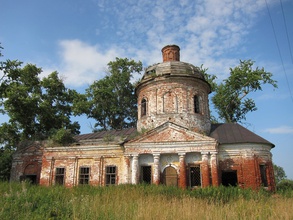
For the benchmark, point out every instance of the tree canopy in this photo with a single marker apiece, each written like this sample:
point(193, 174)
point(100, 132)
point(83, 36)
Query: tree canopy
point(35, 107)
point(231, 99)
point(279, 173)
point(111, 101)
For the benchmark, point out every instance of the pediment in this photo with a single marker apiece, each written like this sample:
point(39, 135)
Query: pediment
point(170, 132)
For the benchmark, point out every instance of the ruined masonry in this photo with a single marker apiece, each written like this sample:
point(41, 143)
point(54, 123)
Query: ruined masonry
point(174, 142)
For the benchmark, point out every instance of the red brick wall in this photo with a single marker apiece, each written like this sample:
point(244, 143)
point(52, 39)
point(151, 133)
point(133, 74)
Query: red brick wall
point(248, 172)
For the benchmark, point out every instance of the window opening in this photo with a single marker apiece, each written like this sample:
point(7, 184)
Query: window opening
point(194, 176)
point(263, 175)
point(146, 174)
point(84, 175)
point(143, 107)
point(111, 175)
point(229, 178)
point(59, 176)
point(196, 104)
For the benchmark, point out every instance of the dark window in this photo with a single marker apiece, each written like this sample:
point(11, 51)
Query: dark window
point(196, 104)
point(263, 175)
point(194, 176)
point(146, 174)
point(229, 178)
point(84, 175)
point(143, 107)
point(110, 175)
point(59, 176)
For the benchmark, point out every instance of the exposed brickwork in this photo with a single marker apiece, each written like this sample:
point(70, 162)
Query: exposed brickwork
point(27, 161)
point(214, 170)
point(248, 172)
point(205, 171)
point(173, 100)
point(182, 171)
point(171, 53)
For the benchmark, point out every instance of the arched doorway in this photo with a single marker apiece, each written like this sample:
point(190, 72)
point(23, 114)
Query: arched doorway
point(170, 177)
point(30, 173)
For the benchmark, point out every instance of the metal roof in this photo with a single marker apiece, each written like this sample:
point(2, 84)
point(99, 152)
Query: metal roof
point(228, 133)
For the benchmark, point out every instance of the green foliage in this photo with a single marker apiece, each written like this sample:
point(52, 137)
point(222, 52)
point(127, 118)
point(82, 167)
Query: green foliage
point(230, 99)
point(56, 105)
point(35, 107)
point(5, 163)
point(62, 137)
point(279, 173)
point(19, 95)
point(285, 185)
point(210, 78)
point(24, 201)
point(111, 101)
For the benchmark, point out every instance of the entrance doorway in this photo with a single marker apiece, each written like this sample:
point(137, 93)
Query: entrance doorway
point(146, 174)
point(30, 174)
point(229, 178)
point(170, 177)
point(194, 176)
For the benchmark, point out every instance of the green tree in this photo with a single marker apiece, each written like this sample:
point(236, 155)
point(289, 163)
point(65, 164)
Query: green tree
point(55, 107)
point(111, 101)
point(35, 107)
point(19, 96)
point(279, 173)
point(230, 99)
point(285, 185)
point(9, 139)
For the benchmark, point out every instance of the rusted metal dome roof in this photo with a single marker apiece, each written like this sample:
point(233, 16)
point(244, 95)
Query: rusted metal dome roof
point(173, 68)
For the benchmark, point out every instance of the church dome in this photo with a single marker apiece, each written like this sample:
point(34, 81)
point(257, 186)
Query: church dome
point(173, 91)
point(174, 68)
point(171, 65)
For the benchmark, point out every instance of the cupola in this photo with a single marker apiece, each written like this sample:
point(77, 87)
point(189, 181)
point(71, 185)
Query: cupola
point(173, 91)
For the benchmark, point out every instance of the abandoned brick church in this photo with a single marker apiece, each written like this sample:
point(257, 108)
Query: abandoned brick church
point(174, 142)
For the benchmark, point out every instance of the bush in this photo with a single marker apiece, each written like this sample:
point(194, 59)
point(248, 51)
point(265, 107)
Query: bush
point(62, 137)
point(5, 164)
point(285, 185)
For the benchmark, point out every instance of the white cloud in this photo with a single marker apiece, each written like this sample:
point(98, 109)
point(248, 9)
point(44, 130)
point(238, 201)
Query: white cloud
point(205, 30)
point(280, 130)
point(83, 63)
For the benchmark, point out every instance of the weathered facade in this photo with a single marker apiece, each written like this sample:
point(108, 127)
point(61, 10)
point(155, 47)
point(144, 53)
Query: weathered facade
point(174, 142)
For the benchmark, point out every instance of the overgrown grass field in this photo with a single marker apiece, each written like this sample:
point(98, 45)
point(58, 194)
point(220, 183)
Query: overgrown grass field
point(24, 201)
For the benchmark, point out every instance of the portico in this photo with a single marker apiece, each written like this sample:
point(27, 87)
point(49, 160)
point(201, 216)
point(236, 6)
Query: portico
point(181, 155)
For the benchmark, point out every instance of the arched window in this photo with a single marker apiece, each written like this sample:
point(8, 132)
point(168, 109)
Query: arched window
point(196, 104)
point(143, 107)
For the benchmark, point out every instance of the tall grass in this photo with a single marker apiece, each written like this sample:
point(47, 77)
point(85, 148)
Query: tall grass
point(24, 201)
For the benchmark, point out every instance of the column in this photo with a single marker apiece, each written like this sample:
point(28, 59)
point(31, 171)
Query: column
point(182, 171)
point(134, 168)
point(156, 176)
point(127, 169)
point(214, 169)
point(205, 169)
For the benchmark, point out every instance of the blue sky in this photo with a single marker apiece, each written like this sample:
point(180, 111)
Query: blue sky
point(78, 38)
